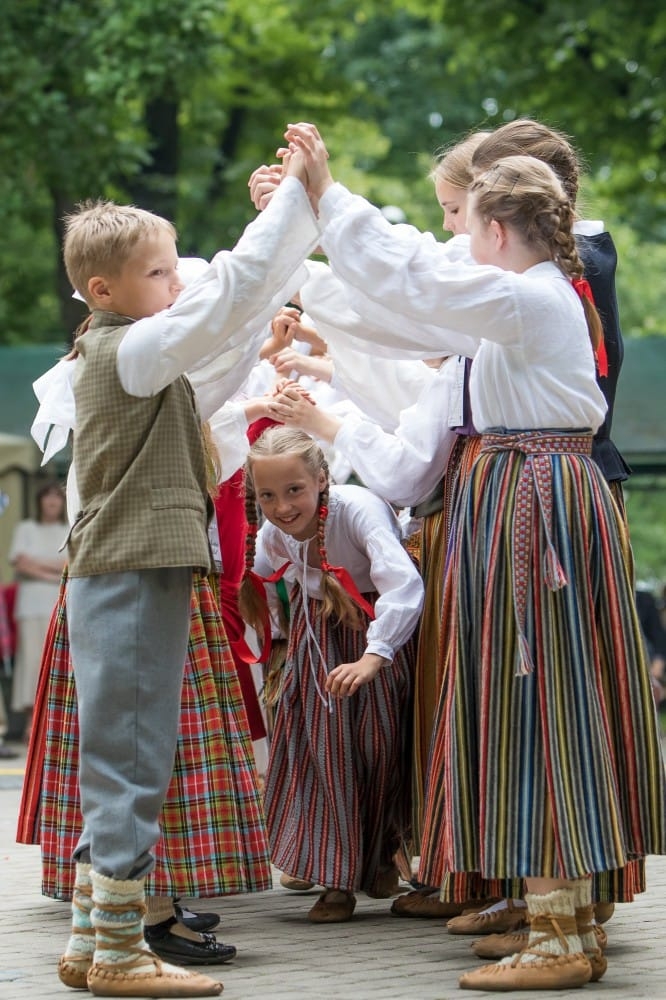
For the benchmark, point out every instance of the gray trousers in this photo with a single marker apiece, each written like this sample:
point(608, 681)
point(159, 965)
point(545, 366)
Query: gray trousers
point(128, 635)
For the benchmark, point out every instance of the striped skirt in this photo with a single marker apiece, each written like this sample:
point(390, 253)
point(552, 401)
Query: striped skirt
point(337, 787)
point(213, 839)
point(546, 760)
point(428, 669)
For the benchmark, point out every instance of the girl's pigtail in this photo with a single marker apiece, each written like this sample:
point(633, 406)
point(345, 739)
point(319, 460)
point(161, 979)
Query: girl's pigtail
point(251, 595)
point(336, 600)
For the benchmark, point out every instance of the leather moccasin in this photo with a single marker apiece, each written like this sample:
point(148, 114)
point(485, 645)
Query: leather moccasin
point(554, 972)
point(426, 903)
point(334, 906)
point(163, 981)
point(295, 884)
point(387, 884)
point(500, 945)
point(490, 920)
point(603, 912)
point(73, 972)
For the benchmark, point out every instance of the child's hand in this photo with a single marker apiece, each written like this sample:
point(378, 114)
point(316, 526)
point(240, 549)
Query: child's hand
point(296, 408)
point(281, 332)
point(345, 680)
point(304, 138)
point(290, 360)
point(263, 183)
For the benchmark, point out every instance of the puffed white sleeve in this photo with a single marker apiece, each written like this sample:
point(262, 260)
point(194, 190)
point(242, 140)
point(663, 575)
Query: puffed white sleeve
point(405, 466)
point(421, 298)
point(228, 428)
point(56, 416)
point(228, 305)
point(394, 576)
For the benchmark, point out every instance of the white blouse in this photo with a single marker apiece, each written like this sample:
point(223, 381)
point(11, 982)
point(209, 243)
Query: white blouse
point(533, 361)
point(363, 535)
point(405, 466)
point(225, 309)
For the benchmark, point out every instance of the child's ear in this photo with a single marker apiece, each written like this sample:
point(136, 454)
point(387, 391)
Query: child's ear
point(499, 232)
point(323, 480)
point(99, 291)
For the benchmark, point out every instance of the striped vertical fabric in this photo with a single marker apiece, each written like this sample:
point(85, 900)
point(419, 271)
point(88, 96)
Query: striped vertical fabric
point(426, 670)
point(213, 834)
point(429, 660)
point(337, 787)
point(556, 773)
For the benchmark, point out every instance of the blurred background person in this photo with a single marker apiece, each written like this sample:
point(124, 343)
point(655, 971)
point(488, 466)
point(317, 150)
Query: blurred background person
point(38, 565)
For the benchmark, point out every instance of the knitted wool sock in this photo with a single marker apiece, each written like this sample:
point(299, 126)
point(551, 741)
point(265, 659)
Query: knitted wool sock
point(117, 917)
point(81, 944)
point(159, 910)
point(582, 889)
point(552, 926)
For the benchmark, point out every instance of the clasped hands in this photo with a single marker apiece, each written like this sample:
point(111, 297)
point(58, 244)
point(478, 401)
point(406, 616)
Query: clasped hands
point(305, 157)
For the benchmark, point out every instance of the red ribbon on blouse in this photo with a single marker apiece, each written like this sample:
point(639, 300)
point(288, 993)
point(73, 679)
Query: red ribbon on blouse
point(342, 575)
point(584, 291)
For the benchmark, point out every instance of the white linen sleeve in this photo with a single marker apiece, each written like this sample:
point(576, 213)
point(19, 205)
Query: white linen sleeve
point(403, 467)
point(410, 286)
point(228, 427)
point(239, 292)
point(56, 415)
point(400, 589)
point(372, 527)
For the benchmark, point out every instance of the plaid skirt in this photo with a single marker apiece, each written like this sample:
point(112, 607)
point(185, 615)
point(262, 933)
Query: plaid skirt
point(546, 759)
point(338, 782)
point(213, 839)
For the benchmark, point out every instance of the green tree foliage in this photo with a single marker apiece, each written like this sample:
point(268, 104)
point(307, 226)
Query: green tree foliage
point(171, 103)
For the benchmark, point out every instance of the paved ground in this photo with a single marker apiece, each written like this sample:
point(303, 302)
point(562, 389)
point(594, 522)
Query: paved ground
point(283, 957)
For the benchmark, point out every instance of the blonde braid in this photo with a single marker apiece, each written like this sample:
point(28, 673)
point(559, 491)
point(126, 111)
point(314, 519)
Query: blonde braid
point(525, 193)
point(252, 606)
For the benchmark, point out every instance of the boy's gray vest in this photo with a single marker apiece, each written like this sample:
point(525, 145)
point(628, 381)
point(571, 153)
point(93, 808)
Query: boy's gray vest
point(140, 467)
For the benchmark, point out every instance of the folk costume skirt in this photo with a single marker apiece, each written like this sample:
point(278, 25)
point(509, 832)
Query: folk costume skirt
point(213, 839)
point(338, 779)
point(428, 671)
point(545, 759)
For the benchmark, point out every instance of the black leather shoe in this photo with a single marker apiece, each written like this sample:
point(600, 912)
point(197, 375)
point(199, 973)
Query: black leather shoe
point(196, 921)
point(182, 951)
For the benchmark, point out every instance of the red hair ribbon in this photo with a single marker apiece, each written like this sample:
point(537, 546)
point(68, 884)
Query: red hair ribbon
point(258, 584)
point(584, 291)
point(344, 578)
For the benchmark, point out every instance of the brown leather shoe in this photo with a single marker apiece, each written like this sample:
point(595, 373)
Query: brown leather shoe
point(603, 912)
point(386, 884)
point(598, 964)
point(334, 906)
point(426, 903)
point(164, 981)
point(490, 921)
point(552, 972)
point(295, 884)
point(500, 945)
point(73, 972)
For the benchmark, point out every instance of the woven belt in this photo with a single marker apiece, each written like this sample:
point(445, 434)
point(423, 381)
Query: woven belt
point(534, 486)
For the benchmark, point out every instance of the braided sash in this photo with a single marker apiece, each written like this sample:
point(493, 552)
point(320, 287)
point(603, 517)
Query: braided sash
point(534, 498)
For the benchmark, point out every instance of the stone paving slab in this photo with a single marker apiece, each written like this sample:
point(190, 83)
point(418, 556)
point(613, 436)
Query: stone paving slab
point(281, 956)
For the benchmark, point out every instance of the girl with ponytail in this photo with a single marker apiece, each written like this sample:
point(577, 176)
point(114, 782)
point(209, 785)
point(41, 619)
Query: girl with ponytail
point(337, 787)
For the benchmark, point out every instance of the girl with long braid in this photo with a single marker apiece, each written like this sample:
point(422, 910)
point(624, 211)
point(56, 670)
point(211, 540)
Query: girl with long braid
point(337, 786)
point(545, 762)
